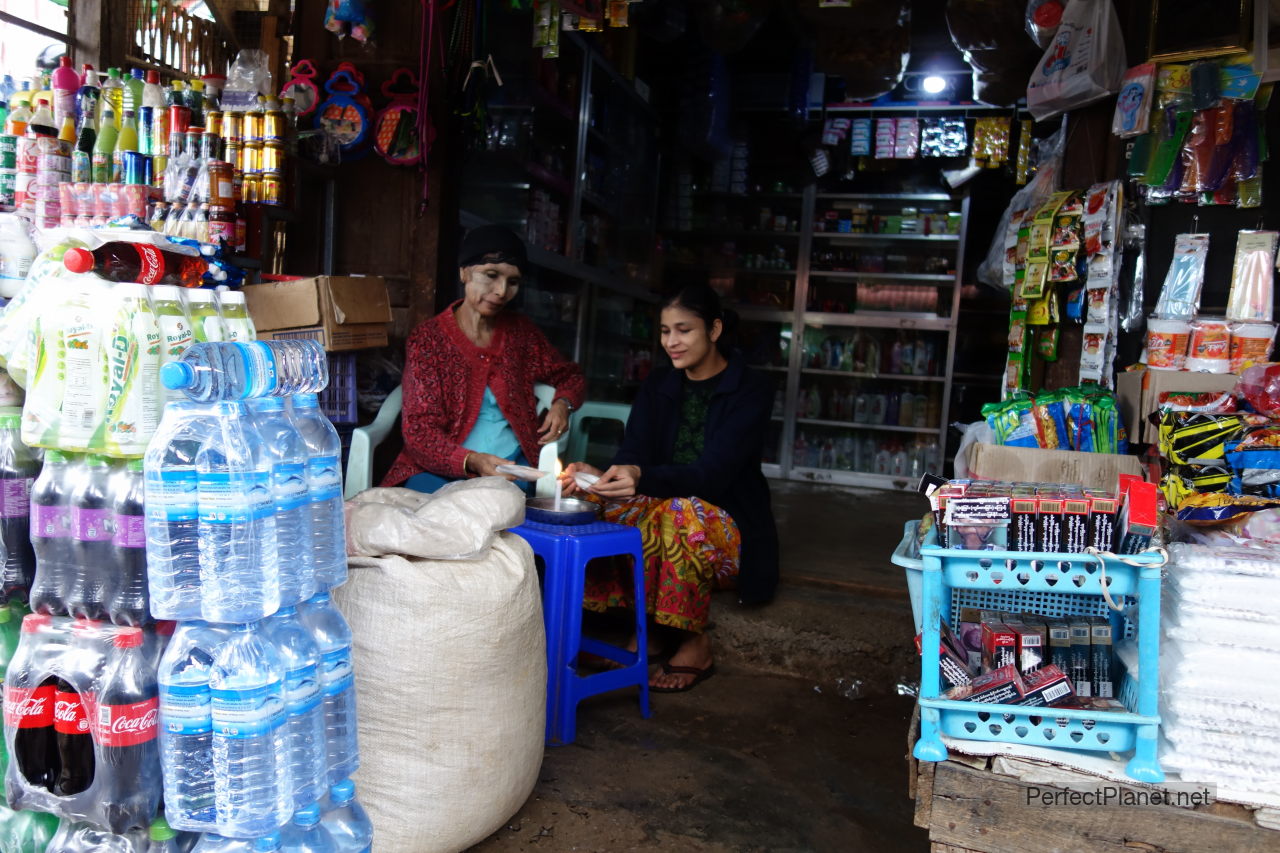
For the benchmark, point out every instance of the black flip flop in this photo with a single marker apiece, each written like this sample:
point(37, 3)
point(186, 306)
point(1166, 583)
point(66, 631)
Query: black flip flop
point(700, 675)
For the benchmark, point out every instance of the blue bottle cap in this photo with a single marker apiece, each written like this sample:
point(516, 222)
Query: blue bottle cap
point(343, 792)
point(307, 815)
point(267, 843)
point(306, 401)
point(176, 375)
point(268, 404)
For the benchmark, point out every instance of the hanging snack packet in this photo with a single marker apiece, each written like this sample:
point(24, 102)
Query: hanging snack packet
point(886, 135)
point(1051, 420)
point(1253, 276)
point(1133, 107)
point(1180, 296)
point(1012, 422)
point(907, 139)
point(860, 137)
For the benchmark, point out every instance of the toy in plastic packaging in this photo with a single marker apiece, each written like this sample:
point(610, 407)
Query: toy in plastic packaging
point(1043, 19)
point(1083, 63)
point(396, 126)
point(1251, 343)
point(349, 17)
point(1133, 106)
point(1167, 342)
point(1253, 277)
point(249, 77)
point(344, 116)
point(80, 723)
point(943, 137)
point(1180, 296)
point(1209, 348)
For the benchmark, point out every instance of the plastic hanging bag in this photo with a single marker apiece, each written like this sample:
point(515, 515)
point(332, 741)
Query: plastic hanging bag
point(1043, 19)
point(1253, 277)
point(1133, 107)
point(1180, 296)
point(1084, 63)
point(249, 77)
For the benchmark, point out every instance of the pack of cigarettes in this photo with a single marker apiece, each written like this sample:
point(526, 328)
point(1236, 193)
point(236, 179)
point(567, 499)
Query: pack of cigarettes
point(999, 646)
point(939, 500)
point(1049, 521)
point(1045, 686)
point(1022, 519)
point(1102, 519)
point(1101, 658)
point(1031, 647)
point(1060, 644)
point(1081, 650)
point(977, 523)
point(1000, 686)
point(971, 636)
point(1138, 518)
point(1075, 523)
point(952, 669)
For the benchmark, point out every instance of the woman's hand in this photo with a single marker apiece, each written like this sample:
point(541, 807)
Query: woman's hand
point(620, 481)
point(556, 422)
point(568, 485)
point(486, 465)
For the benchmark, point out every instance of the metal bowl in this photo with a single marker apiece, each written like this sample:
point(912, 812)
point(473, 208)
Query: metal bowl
point(572, 511)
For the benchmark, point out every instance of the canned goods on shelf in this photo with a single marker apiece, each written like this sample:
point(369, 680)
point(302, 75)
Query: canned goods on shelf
point(272, 191)
point(210, 146)
point(251, 188)
point(235, 155)
point(253, 121)
point(135, 167)
point(179, 119)
point(272, 160)
point(273, 126)
point(213, 122)
point(252, 163)
point(233, 127)
point(8, 151)
point(147, 130)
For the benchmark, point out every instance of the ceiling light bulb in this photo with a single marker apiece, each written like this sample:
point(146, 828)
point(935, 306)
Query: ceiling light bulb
point(933, 84)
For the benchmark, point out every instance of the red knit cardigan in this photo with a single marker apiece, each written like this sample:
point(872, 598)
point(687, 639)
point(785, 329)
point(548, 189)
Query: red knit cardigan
point(445, 376)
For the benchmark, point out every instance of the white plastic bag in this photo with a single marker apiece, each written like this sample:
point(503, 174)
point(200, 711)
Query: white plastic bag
point(451, 671)
point(978, 432)
point(1084, 63)
point(249, 77)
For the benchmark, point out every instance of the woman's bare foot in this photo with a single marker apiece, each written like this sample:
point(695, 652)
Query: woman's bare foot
point(695, 653)
point(651, 643)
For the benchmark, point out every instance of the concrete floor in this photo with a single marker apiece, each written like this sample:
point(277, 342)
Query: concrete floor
point(798, 743)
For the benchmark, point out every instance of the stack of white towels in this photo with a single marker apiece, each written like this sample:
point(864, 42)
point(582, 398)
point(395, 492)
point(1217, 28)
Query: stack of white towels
point(1220, 668)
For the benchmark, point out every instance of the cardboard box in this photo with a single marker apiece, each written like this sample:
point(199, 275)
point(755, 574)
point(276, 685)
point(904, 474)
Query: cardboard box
point(1031, 465)
point(1138, 395)
point(339, 312)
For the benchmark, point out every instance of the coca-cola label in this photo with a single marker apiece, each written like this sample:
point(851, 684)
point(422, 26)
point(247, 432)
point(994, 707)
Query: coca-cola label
point(150, 263)
point(186, 709)
point(127, 725)
point(247, 713)
point(50, 522)
point(302, 689)
point(15, 498)
point(234, 497)
point(69, 717)
point(324, 478)
point(91, 525)
point(130, 531)
point(28, 707)
point(336, 674)
point(171, 494)
point(289, 480)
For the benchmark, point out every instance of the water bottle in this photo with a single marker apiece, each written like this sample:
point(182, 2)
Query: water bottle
point(162, 838)
point(306, 724)
point(305, 834)
point(337, 684)
point(186, 726)
point(18, 472)
point(172, 507)
point(51, 534)
point(239, 579)
point(252, 789)
point(345, 818)
point(91, 535)
point(211, 842)
point(127, 583)
point(324, 484)
point(288, 455)
point(206, 372)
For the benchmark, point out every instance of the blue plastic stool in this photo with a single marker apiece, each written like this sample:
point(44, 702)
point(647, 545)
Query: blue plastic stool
point(566, 550)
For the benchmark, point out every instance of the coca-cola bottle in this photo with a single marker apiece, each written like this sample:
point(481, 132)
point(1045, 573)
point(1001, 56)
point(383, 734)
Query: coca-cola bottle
point(139, 262)
point(126, 597)
point(51, 534)
point(125, 722)
point(28, 708)
point(18, 470)
point(72, 710)
point(91, 534)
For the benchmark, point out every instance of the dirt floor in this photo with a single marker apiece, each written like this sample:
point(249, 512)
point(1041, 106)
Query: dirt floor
point(798, 743)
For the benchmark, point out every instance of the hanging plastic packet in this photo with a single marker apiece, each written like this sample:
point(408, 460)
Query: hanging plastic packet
point(1133, 106)
point(1174, 122)
point(1253, 276)
point(1249, 191)
point(1012, 422)
point(1093, 352)
point(906, 144)
point(1180, 295)
point(1050, 415)
point(1206, 85)
point(1047, 343)
point(1209, 350)
point(1080, 420)
point(886, 136)
point(1136, 243)
point(1106, 424)
point(1197, 152)
point(1217, 172)
point(943, 137)
point(860, 137)
point(1245, 166)
point(1023, 168)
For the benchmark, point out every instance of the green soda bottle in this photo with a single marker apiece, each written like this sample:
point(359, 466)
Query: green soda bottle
point(104, 147)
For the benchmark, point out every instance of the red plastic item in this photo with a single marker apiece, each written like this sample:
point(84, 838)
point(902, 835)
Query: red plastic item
point(140, 262)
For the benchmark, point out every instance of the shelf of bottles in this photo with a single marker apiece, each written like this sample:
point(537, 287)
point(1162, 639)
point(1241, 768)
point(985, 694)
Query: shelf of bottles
point(620, 345)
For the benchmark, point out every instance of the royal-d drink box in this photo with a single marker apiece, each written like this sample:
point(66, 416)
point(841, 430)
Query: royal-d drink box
point(1100, 643)
point(1081, 651)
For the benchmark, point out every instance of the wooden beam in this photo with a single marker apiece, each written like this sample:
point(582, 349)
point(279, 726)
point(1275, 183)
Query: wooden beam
point(982, 811)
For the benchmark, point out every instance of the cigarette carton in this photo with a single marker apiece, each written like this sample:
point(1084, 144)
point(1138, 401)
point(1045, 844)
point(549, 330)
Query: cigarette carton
point(1138, 518)
point(1031, 648)
point(1002, 686)
point(1047, 685)
point(1081, 648)
point(1102, 519)
point(952, 670)
point(1022, 520)
point(1075, 523)
point(999, 646)
point(1049, 522)
point(1100, 658)
point(1060, 644)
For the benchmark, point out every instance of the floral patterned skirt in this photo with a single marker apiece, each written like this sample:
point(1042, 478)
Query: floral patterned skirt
point(690, 547)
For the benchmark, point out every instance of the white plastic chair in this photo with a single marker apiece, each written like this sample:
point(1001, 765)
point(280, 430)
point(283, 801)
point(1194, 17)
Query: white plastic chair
point(365, 439)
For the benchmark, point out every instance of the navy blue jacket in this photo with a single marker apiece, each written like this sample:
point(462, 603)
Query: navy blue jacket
point(727, 473)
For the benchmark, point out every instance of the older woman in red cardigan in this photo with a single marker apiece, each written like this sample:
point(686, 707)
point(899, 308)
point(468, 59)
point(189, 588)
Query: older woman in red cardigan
point(470, 371)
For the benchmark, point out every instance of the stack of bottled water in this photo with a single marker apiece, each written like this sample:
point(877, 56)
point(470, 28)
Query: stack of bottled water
point(245, 538)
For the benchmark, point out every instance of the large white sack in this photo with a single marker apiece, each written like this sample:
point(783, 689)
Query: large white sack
point(451, 676)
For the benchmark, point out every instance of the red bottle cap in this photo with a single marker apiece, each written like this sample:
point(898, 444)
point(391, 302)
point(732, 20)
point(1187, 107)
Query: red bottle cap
point(1048, 15)
point(153, 76)
point(33, 622)
point(128, 638)
point(78, 260)
point(64, 61)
